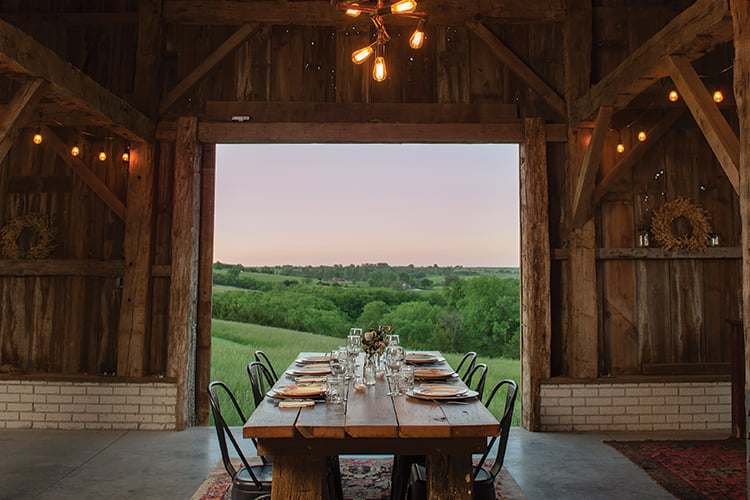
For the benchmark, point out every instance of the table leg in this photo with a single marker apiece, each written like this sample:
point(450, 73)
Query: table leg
point(449, 476)
point(298, 478)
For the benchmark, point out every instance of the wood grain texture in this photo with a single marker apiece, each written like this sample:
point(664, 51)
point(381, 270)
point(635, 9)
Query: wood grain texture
point(581, 204)
point(149, 54)
point(18, 112)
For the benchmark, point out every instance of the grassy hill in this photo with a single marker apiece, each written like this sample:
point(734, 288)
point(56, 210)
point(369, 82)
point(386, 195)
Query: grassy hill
point(234, 345)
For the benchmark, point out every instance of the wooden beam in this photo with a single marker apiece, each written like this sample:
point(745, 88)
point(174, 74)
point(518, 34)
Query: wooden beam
point(207, 65)
point(135, 303)
point(19, 53)
point(694, 32)
point(712, 123)
point(328, 112)
point(536, 322)
point(581, 204)
point(315, 13)
point(518, 67)
point(149, 56)
point(85, 173)
point(205, 284)
point(635, 154)
point(183, 288)
point(63, 267)
point(18, 112)
point(68, 18)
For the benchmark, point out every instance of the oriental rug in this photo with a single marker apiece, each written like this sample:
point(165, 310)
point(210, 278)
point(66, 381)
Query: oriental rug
point(362, 478)
point(692, 469)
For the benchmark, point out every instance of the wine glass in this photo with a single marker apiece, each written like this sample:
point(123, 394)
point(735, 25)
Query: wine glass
point(353, 347)
point(394, 358)
point(393, 339)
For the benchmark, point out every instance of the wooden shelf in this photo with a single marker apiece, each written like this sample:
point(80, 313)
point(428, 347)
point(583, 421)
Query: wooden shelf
point(727, 253)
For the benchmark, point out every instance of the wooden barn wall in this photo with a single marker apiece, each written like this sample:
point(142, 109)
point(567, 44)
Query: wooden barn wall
point(657, 312)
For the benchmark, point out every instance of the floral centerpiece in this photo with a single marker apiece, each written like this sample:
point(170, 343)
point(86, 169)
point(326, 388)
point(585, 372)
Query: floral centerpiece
point(373, 343)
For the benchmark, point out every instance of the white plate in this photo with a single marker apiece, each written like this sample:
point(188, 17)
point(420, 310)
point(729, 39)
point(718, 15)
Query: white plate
point(300, 390)
point(461, 397)
point(440, 390)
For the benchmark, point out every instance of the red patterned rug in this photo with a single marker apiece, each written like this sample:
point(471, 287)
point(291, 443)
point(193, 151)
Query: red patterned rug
point(361, 478)
point(692, 469)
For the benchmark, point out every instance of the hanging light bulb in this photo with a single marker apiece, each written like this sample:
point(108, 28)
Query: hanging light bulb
point(403, 7)
point(642, 136)
point(417, 38)
point(620, 147)
point(378, 70)
point(674, 96)
point(126, 155)
point(102, 155)
point(718, 96)
point(361, 55)
point(351, 11)
point(37, 139)
point(75, 150)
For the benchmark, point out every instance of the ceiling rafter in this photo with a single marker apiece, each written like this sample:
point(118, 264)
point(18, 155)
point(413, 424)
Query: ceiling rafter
point(694, 32)
point(21, 54)
point(18, 112)
point(581, 208)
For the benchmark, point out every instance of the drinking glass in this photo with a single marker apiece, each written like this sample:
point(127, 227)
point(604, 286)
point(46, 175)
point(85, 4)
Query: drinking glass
point(406, 378)
point(393, 339)
point(336, 363)
point(394, 359)
point(334, 389)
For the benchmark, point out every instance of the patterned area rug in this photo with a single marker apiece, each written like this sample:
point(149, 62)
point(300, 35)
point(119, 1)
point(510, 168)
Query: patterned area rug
point(691, 469)
point(362, 479)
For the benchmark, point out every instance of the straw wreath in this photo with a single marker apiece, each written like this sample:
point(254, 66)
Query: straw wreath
point(661, 226)
point(42, 226)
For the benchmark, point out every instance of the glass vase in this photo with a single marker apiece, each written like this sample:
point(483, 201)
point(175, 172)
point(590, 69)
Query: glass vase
point(371, 365)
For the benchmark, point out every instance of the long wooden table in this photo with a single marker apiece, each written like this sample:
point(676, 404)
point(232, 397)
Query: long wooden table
point(370, 422)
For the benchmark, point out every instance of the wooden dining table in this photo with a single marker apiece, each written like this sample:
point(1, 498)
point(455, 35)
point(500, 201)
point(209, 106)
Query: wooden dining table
point(370, 422)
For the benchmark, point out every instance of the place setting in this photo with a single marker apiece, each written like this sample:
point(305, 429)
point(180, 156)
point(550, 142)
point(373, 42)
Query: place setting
point(422, 358)
point(441, 392)
point(434, 373)
point(310, 369)
point(298, 395)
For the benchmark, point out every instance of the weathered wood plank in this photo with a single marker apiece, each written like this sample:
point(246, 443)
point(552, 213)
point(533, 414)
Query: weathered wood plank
point(582, 203)
point(183, 290)
point(535, 268)
point(717, 131)
point(148, 68)
point(62, 267)
point(205, 66)
point(19, 53)
point(90, 178)
point(18, 111)
point(518, 66)
point(135, 307)
point(228, 12)
point(696, 31)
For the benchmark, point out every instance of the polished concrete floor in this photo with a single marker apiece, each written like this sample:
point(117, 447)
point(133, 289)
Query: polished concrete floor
point(171, 465)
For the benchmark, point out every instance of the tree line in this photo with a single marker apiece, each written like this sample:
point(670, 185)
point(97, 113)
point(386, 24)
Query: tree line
point(481, 313)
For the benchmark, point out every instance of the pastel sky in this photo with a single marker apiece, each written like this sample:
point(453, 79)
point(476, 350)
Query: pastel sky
point(320, 204)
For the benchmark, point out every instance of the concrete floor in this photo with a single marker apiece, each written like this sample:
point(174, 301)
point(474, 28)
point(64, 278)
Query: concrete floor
point(171, 465)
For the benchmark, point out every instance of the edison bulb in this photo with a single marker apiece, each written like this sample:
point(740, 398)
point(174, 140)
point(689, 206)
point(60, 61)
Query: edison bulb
point(642, 136)
point(718, 96)
point(673, 96)
point(75, 151)
point(102, 156)
point(620, 147)
point(378, 71)
point(37, 138)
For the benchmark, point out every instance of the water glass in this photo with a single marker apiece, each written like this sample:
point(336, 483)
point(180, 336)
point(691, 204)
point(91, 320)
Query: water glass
point(406, 378)
point(337, 363)
point(393, 339)
point(334, 389)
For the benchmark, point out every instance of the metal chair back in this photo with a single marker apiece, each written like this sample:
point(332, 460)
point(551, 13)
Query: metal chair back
point(261, 356)
point(261, 380)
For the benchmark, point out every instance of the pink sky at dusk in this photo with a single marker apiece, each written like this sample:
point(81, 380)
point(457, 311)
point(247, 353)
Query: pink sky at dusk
point(320, 204)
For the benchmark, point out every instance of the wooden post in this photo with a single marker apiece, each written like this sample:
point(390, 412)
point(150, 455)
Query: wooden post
point(205, 284)
point(183, 289)
point(580, 335)
point(135, 308)
point(536, 322)
point(741, 22)
point(147, 80)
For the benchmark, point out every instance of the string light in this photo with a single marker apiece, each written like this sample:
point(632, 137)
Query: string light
point(642, 136)
point(674, 96)
point(620, 146)
point(75, 150)
point(718, 96)
point(38, 138)
point(102, 155)
point(126, 155)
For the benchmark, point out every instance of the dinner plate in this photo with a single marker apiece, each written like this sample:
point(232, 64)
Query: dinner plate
point(433, 373)
point(469, 394)
point(314, 358)
point(439, 390)
point(420, 357)
point(300, 390)
point(314, 369)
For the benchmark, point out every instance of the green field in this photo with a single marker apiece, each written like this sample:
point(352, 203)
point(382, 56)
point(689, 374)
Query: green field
point(234, 346)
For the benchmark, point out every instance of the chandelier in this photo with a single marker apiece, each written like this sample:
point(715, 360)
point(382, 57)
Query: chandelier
point(377, 10)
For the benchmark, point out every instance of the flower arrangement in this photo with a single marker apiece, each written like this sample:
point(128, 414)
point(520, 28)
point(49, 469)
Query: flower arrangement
point(374, 341)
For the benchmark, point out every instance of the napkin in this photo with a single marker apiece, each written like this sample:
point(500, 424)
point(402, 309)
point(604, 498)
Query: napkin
point(310, 380)
point(296, 404)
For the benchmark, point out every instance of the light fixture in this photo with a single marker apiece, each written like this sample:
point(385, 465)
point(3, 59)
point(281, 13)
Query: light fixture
point(642, 136)
point(674, 96)
point(102, 155)
point(37, 139)
point(718, 96)
point(620, 146)
point(126, 155)
point(75, 150)
point(377, 10)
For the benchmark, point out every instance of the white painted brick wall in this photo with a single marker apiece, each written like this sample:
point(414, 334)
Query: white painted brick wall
point(647, 406)
point(32, 404)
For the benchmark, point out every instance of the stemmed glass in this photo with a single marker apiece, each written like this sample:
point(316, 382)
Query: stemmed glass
point(394, 358)
point(393, 339)
point(353, 346)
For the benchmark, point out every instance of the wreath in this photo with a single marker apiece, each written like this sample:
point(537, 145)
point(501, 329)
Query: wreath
point(42, 226)
point(661, 226)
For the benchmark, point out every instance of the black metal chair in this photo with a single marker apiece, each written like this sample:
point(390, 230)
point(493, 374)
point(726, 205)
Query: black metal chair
point(469, 359)
point(261, 380)
point(479, 371)
point(261, 356)
point(248, 481)
point(484, 478)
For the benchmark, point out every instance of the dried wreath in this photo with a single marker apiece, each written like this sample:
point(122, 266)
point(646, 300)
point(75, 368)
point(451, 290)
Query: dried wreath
point(44, 229)
point(661, 225)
